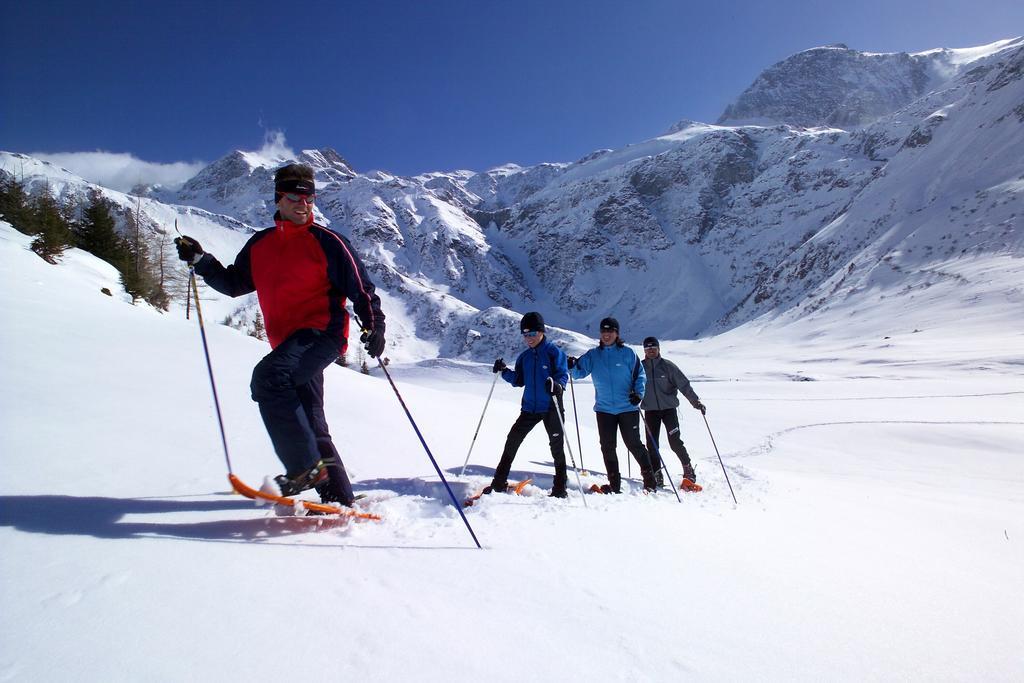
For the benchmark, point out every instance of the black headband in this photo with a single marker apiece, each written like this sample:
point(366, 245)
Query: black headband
point(295, 186)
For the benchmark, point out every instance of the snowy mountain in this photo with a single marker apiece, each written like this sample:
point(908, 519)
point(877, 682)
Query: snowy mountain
point(859, 295)
point(915, 179)
point(836, 87)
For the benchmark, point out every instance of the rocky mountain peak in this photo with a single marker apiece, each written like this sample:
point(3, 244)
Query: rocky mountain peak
point(831, 86)
point(835, 86)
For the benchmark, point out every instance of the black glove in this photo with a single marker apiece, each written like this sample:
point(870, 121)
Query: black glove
point(635, 398)
point(700, 406)
point(571, 361)
point(373, 342)
point(553, 387)
point(499, 365)
point(189, 250)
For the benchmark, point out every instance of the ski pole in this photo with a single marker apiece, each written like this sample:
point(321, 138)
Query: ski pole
point(191, 279)
point(473, 442)
point(430, 455)
point(576, 417)
point(657, 452)
point(188, 301)
point(209, 365)
point(719, 458)
point(579, 482)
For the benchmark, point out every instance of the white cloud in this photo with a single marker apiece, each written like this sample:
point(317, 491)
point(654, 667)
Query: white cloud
point(275, 146)
point(120, 171)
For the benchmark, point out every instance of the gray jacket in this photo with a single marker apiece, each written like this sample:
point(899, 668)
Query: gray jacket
point(664, 379)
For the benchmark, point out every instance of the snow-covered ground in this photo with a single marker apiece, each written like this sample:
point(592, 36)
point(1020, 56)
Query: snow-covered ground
point(879, 533)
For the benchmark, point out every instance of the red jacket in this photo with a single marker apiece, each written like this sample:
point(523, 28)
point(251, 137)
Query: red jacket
point(302, 275)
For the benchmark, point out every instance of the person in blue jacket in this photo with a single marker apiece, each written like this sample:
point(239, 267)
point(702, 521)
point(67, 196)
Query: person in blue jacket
point(619, 383)
point(541, 371)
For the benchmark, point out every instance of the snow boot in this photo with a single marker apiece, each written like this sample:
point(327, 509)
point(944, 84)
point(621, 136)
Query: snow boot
point(292, 484)
point(495, 488)
point(690, 485)
point(649, 483)
point(558, 493)
point(689, 482)
point(659, 479)
point(329, 497)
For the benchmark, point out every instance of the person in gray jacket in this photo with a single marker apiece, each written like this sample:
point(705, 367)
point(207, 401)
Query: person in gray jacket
point(665, 380)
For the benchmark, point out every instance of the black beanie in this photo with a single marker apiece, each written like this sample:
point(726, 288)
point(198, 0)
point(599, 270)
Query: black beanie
point(532, 322)
point(295, 186)
point(294, 179)
point(651, 342)
point(609, 324)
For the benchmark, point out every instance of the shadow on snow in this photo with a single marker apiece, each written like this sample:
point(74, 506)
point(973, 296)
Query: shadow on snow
point(104, 518)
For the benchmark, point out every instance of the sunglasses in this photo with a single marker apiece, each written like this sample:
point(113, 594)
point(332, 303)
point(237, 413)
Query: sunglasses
point(296, 198)
point(531, 334)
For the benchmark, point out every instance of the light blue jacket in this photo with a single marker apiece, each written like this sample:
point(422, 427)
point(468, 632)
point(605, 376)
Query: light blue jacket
point(617, 370)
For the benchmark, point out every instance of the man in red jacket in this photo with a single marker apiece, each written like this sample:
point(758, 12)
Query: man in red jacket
point(302, 274)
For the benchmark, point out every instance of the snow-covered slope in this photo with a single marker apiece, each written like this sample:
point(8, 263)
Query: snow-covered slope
point(878, 533)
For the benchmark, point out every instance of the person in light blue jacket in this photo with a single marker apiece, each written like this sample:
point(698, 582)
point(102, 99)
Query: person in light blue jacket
point(541, 371)
point(619, 383)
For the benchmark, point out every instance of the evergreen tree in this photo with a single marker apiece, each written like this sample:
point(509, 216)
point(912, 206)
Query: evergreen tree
point(259, 330)
point(15, 205)
point(51, 226)
point(97, 233)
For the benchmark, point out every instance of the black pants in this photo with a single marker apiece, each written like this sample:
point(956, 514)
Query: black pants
point(670, 418)
point(628, 424)
point(522, 426)
point(288, 385)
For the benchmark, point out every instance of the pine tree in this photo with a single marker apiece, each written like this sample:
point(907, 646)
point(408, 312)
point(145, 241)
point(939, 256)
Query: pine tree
point(15, 205)
point(97, 233)
point(51, 226)
point(259, 330)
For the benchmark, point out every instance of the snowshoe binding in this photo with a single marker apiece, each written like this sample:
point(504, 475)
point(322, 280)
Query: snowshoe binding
point(291, 485)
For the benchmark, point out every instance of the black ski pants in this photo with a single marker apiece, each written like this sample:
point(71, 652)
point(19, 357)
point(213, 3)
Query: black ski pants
point(520, 428)
point(288, 385)
point(628, 424)
point(668, 417)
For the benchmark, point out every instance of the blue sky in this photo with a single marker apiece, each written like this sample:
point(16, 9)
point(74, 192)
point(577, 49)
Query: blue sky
point(418, 86)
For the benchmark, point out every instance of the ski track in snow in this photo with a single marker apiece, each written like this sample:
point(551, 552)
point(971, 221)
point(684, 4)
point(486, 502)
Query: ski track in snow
point(881, 398)
point(768, 445)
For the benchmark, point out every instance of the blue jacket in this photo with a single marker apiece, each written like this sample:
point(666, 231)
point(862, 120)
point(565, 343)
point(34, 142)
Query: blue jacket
point(617, 370)
point(533, 367)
